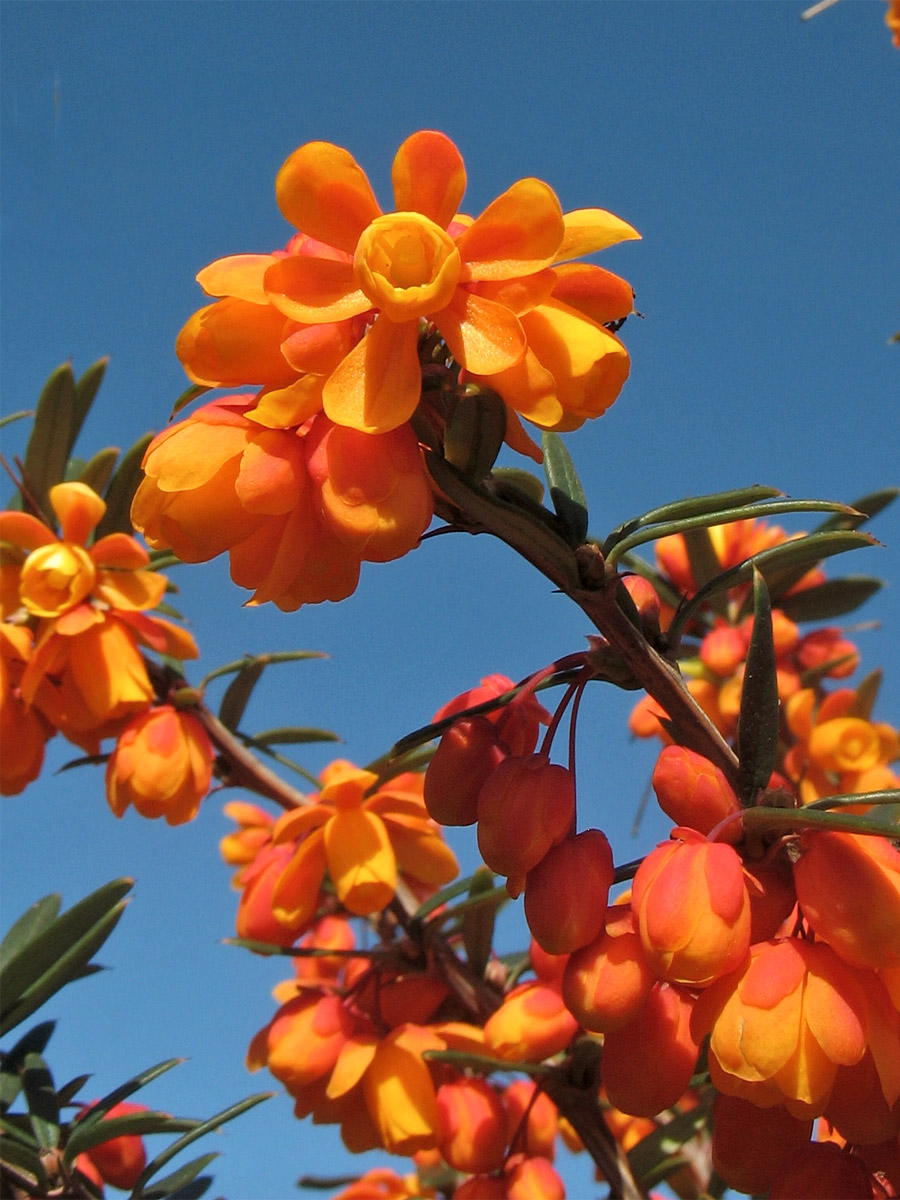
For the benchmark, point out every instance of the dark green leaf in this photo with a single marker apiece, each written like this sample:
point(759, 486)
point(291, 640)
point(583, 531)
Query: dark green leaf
point(866, 695)
point(100, 1108)
point(478, 923)
point(120, 493)
point(757, 736)
point(205, 1127)
point(41, 1101)
point(51, 438)
point(32, 922)
point(665, 1140)
point(693, 506)
point(70, 1090)
point(85, 393)
point(87, 1133)
point(12, 1062)
point(866, 507)
point(98, 472)
point(238, 693)
point(182, 1184)
point(566, 491)
point(524, 481)
point(294, 735)
point(276, 656)
point(60, 953)
point(25, 1163)
point(830, 599)
point(189, 394)
point(474, 433)
point(22, 415)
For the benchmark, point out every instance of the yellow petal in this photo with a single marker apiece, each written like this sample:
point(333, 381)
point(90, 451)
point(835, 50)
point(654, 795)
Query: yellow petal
point(484, 336)
point(79, 509)
point(315, 290)
point(239, 275)
point(324, 192)
point(295, 896)
point(377, 386)
point(591, 229)
point(119, 550)
point(232, 343)
point(360, 861)
point(130, 590)
point(429, 176)
point(518, 234)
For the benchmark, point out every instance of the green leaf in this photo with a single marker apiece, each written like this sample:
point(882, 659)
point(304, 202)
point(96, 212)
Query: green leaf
point(23, 415)
point(187, 396)
point(98, 472)
point(474, 433)
point(270, 659)
point(798, 554)
point(70, 1090)
point(653, 1153)
point(30, 925)
point(287, 735)
point(51, 438)
point(80, 1130)
point(764, 819)
point(85, 393)
point(866, 695)
point(203, 1128)
point(865, 508)
point(478, 922)
point(757, 735)
point(87, 1133)
point(238, 693)
point(523, 481)
point(25, 1163)
point(41, 1101)
point(12, 1062)
point(693, 506)
point(178, 1184)
point(60, 953)
point(830, 599)
point(120, 493)
point(566, 491)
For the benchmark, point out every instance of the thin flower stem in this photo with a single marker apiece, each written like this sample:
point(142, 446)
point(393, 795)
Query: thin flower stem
point(244, 768)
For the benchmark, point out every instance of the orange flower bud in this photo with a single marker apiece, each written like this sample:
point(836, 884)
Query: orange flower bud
point(548, 967)
point(821, 1171)
point(692, 908)
point(473, 1125)
point(646, 601)
point(860, 918)
point(607, 982)
point(692, 790)
point(533, 1179)
point(120, 1161)
point(770, 886)
point(482, 1187)
point(162, 764)
point(531, 1024)
point(567, 892)
point(23, 730)
point(751, 1146)
point(723, 650)
point(533, 1119)
point(517, 723)
point(526, 806)
point(858, 1108)
point(466, 755)
point(648, 1063)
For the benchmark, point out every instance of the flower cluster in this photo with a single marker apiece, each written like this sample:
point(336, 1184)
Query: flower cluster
point(319, 470)
point(74, 623)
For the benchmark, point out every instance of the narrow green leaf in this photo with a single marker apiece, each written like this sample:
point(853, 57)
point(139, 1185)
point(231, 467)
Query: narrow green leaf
point(474, 433)
point(566, 492)
point(866, 695)
point(757, 736)
point(70, 1090)
point(25, 1163)
point(120, 493)
point(23, 415)
point(692, 506)
point(888, 796)
point(59, 954)
point(865, 508)
point(524, 481)
point(830, 599)
point(85, 393)
point(205, 1127)
point(176, 1184)
point(98, 1110)
point(98, 472)
point(294, 735)
point(13, 1061)
point(52, 437)
point(32, 922)
point(188, 395)
point(41, 1101)
point(478, 922)
point(802, 552)
point(764, 819)
point(645, 1157)
point(238, 693)
point(85, 1134)
point(277, 656)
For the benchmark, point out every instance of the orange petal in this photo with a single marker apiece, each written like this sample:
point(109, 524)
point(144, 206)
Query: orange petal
point(484, 336)
point(132, 591)
point(591, 229)
point(315, 290)
point(79, 509)
point(429, 176)
point(319, 348)
point(22, 529)
point(377, 386)
point(288, 407)
point(324, 192)
point(598, 294)
point(119, 550)
point(232, 343)
point(300, 821)
point(353, 1062)
point(239, 275)
point(295, 896)
point(518, 234)
point(360, 861)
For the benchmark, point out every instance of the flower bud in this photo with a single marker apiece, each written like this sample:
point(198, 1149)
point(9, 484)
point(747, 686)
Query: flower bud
point(531, 1024)
point(607, 982)
point(162, 764)
point(691, 790)
point(648, 1063)
point(533, 1179)
point(533, 1119)
point(751, 1146)
point(526, 806)
point(848, 886)
point(770, 887)
point(472, 1125)
point(693, 910)
point(821, 1171)
point(466, 755)
point(566, 894)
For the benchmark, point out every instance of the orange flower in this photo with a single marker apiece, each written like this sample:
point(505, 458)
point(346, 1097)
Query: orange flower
point(298, 508)
point(784, 1022)
point(252, 835)
point(364, 839)
point(380, 1183)
point(162, 764)
point(692, 909)
point(860, 918)
point(892, 20)
point(24, 731)
point(88, 606)
point(533, 1119)
point(473, 1125)
point(823, 1169)
point(751, 1145)
point(418, 263)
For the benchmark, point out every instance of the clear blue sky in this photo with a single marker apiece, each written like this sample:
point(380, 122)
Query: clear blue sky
point(758, 157)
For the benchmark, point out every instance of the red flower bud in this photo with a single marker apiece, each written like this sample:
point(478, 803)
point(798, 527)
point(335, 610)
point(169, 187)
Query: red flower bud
point(751, 1146)
point(473, 1125)
point(567, 892)
point(526, 806)
point(466, 755)
point(821, 1171)
point(691, 790)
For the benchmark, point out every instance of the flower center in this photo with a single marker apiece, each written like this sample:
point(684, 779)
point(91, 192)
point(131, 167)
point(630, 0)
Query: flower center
point(55, 578)
point(406, 265)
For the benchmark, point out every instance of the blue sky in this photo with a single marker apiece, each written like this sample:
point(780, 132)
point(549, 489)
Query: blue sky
point(140, 141)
